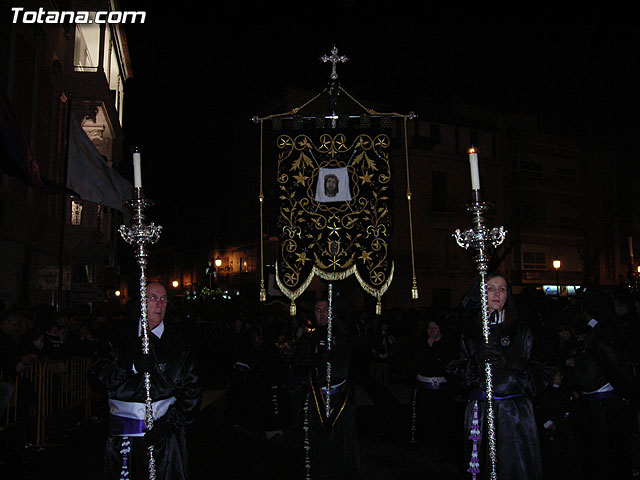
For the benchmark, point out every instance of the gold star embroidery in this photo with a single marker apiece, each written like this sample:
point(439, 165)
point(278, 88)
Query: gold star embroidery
point(300, 178)
point(334, 229)
point(302, 257)
point(366, 178)
point(366, 256)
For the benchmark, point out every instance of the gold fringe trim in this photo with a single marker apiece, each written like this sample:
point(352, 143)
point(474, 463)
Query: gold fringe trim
point(383, 288)
point(294, 294)
point(335, 276)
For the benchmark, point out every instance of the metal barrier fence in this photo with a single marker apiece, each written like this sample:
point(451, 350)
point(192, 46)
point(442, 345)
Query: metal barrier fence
point(46, 389)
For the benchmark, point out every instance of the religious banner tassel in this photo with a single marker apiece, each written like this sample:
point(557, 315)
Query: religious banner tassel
point(307, 442)
point(474, 436)
point(263, 292)
point(329, 338)
point(125, 449)
point(292, 308)
point(378, 307)
point(412, 441)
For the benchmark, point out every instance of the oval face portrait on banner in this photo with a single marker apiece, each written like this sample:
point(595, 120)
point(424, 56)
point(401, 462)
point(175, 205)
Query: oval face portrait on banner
point(333, 185)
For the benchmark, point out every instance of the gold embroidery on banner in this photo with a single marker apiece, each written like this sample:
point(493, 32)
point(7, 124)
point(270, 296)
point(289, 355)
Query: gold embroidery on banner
point(334, 239)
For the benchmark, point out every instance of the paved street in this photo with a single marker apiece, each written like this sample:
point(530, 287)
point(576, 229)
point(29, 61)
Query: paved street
point(383, 440)
point(220, 452)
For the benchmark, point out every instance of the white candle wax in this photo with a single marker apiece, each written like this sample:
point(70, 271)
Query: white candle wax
point(475, 174)
point(137, 172)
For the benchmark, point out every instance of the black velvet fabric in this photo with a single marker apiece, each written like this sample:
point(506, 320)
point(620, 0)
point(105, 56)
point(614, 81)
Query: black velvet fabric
point(174, 374)
point(435, 421)
point(333, 441)
point(519, 377)
point(603, 424)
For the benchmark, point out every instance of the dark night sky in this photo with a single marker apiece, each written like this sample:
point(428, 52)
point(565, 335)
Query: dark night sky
point(200, 77)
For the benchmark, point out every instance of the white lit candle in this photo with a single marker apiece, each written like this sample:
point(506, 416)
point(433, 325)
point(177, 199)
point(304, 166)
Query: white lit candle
point(475, 173)
point(137, 172)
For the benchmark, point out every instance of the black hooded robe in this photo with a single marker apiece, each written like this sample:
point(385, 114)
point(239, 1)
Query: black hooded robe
point(174, 375)
point(329, 445)
point(517, 442)
point(603, 422)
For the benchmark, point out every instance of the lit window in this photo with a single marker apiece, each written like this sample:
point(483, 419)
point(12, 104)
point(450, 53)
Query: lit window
point(87, 52)
point(87, 47)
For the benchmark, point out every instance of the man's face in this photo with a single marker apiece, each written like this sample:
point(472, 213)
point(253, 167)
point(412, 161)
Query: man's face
point(331, 186)
point(156, 304)
point(321, 312)
point(496, 293)
point(433, 330)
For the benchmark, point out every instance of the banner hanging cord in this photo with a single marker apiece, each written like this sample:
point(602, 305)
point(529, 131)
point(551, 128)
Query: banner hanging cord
point(414, 284)
point(263, 292)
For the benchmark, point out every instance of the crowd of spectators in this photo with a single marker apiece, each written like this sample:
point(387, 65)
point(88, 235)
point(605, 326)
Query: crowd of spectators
point(248, 351)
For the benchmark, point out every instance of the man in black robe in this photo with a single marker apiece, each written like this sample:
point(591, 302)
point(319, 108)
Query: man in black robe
point(330, 447)
point(175, 393)
point(606, 392)
point(516, 379)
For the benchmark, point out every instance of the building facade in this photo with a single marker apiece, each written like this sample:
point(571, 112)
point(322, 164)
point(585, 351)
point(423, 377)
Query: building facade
point(62, 87)
point(564, 196)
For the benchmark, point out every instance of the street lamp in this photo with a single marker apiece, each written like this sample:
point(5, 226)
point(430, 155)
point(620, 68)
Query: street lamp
point(556, 264)
point(218, 262)
point(175, 284)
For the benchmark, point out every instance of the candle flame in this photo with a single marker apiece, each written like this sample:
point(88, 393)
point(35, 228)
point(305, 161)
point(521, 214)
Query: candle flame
point(472, 150)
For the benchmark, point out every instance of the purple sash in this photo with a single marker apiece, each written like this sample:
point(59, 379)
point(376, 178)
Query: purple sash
point(123, 426)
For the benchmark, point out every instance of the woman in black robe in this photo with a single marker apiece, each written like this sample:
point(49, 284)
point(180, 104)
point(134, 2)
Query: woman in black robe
point(432, 407)
point(516, 377)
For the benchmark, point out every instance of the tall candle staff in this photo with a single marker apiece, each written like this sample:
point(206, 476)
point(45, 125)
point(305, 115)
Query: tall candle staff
point(478, 237)
point(139, 234)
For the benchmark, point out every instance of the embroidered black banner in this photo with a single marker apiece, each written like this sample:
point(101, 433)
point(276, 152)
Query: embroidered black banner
point(335, 217)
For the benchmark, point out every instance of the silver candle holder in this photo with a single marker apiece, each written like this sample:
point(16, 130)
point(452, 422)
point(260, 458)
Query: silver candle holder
point(478, 238)
point(140, 234)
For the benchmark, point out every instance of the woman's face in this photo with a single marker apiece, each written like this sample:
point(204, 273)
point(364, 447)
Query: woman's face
point(496, 293)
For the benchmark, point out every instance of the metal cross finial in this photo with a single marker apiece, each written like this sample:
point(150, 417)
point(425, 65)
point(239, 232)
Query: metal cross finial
point(334, 59)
